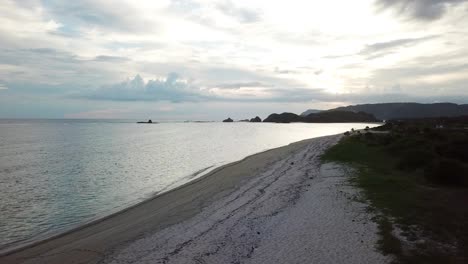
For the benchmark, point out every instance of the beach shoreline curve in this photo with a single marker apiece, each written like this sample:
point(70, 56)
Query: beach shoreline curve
point(74, 237)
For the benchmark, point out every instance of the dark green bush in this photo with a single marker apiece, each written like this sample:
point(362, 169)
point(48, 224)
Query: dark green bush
point(455, 150)
point(414, 159)
point(399, 144)
point(385, 139)
point(435, 134)
point(447, 172)
point(385, 127)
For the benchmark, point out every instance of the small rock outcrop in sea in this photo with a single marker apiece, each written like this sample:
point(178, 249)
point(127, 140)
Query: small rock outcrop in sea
point(256, 119)
point(148, 122)
point(228, 120)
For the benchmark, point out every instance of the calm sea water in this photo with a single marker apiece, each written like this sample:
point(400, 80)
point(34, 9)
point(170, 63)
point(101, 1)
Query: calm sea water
point(58, 174)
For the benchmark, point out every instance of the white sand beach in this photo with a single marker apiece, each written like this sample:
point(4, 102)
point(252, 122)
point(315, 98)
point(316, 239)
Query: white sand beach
point(278, 206)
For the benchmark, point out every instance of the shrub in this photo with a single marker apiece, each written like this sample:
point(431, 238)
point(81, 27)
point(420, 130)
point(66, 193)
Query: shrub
point(456, 148)
point(448, 172)
point(385, 127)
point(378, 139)
point(435, 134)
point(399, 144)
point(414, 159)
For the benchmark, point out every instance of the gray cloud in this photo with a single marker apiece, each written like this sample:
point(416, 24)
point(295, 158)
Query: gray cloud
point(392, 94)
point(444, 74)
point(40, 56)
point(337, 56)
point(424, 66)
point(414, 72)
point(54, 66)
point(196, 11)
point(243, 15)
point(106, 58)
point(95, 13)
point(425, 10)
point(238, 85)
point(184, 5)
point(171, 89)
point(283, 71)
point(41, 59)
point(219, 76)
point(380, 49)
point(175, 90)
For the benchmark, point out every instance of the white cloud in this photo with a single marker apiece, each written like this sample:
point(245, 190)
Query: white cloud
point(332, 46)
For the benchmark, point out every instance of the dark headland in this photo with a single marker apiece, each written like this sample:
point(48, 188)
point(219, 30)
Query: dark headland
point(322, 117)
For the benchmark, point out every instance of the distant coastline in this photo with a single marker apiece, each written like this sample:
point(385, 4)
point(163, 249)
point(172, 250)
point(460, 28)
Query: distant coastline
point(367, 113)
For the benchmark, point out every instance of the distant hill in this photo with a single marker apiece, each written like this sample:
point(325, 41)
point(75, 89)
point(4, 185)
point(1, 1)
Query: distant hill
point(310, 111)
point(322, 117)
point(284, 118)
point(388, 111)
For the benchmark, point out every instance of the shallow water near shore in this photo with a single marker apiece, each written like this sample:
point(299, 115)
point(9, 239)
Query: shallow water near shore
point(59, 174)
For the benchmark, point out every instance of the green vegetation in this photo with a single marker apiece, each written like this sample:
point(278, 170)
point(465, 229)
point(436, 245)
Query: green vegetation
point(415, 177)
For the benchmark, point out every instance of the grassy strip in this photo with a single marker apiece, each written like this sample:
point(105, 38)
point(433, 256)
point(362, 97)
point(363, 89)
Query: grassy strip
point(431, 217)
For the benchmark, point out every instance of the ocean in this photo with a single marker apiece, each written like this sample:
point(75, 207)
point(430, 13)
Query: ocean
point(59, 174)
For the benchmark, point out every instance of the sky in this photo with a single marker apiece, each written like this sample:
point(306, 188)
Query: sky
point(210, 59)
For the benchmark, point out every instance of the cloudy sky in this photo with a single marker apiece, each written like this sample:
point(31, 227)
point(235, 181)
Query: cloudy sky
point(209, 59)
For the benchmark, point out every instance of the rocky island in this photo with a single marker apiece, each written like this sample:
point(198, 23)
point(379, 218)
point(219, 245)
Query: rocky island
point(255, 119)
point(147, 122)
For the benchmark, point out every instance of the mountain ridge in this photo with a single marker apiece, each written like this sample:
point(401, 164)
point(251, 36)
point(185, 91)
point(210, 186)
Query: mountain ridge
point(386, 111)
point(310, 111)
point(322, 117)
